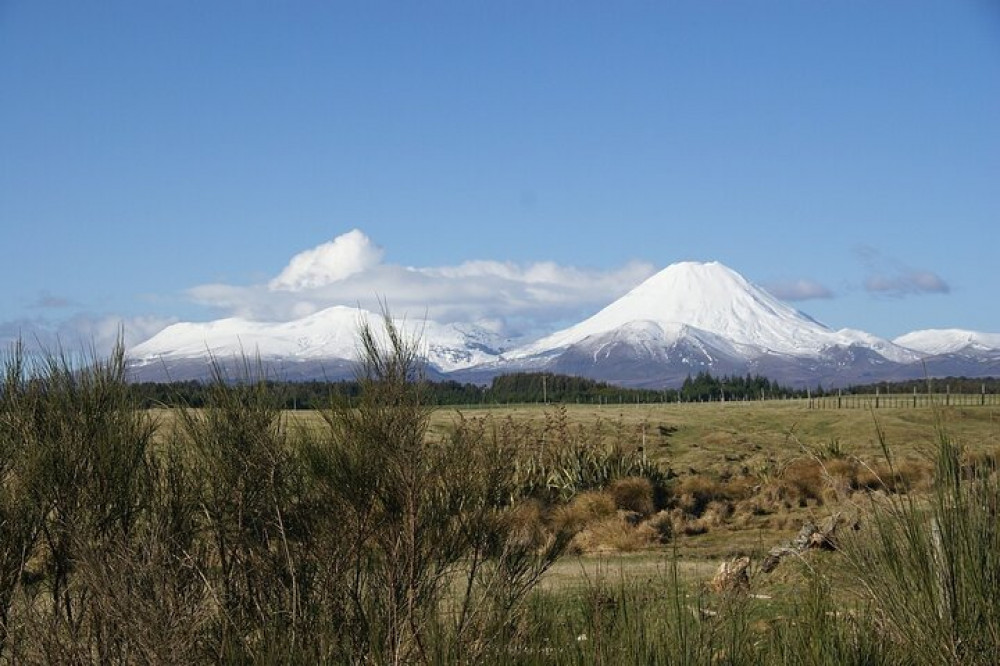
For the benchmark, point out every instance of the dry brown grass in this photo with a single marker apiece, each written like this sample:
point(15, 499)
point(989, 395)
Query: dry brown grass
point(717, 513)
point(584, 509)
point(660, 527)
point(842, 475)
point(694, 492)
point(633, 494)
point(804, 477)
point(526, 523)
point(611, 534)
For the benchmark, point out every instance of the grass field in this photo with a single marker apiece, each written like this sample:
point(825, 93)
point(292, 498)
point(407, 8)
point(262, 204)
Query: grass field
point(709, 435)
point(743, 439)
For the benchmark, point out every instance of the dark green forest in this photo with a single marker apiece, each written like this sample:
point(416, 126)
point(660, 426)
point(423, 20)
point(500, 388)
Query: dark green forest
point(525, 387)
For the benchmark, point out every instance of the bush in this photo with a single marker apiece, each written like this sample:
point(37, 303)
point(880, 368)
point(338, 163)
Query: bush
point(232, 538)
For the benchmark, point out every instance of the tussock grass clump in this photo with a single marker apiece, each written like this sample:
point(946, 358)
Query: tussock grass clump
point(611, 534)
point(585, 508)
point(525, 522)
point(694, 492)
point(804, 478)
point(842, 475)
point(899, 476)
point(980, 463)
point(633, 494)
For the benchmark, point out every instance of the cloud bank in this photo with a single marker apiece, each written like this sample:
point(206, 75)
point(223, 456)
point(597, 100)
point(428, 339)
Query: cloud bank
point(82, 332)
point(349, 270)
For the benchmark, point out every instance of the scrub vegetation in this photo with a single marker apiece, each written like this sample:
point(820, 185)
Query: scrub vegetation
point(381, 531)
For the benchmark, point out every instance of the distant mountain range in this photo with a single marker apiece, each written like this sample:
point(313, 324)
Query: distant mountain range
point(689, 317)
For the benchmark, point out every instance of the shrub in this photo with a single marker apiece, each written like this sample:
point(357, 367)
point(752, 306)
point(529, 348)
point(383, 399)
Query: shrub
point(418, 517)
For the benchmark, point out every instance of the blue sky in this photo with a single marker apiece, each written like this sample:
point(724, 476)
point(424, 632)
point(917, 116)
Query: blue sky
point(521, 163)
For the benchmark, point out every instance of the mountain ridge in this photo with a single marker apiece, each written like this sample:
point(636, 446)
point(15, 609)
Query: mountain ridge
point(688, 317)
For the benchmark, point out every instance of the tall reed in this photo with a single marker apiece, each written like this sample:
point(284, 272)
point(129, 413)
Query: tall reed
point(930, 565)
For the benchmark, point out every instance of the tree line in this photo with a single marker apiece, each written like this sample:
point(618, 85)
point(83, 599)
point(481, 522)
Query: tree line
point(521, 387)
point(928, 385)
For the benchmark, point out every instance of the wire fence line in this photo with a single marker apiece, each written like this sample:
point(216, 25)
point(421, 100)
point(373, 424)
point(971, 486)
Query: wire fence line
point(903, 400)
point(826, 401)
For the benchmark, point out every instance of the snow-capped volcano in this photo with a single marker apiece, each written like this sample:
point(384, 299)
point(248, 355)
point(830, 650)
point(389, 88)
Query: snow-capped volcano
point(329, 335)
point(712, 304)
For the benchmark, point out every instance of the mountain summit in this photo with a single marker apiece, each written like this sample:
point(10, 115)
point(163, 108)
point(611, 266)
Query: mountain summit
point(695, 316)
point(709, 298)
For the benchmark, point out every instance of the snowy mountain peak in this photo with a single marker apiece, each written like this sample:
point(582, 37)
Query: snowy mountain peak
point(708, 297)
point(949, 341)
point(327, 334)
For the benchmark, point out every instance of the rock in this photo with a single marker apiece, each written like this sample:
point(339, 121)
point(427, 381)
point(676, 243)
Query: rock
point(774, 558)
point(810, 537)
point(732, 576)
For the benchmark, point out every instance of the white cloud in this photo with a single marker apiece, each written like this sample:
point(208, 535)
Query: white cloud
point(799, 290)
point(346, 255)
point(349, 271)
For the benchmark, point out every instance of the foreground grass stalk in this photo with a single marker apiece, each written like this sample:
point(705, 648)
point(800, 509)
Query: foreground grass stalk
point(932, 566)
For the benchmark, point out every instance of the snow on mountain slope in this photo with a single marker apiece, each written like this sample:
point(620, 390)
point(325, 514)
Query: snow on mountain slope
point(687, 318)
point(328, 334)
point(891, 350)
point(710, 300)
point(949, 341)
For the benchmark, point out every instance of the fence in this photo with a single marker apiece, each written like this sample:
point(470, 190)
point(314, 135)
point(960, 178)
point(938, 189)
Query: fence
point(903, 400)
